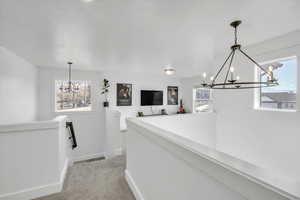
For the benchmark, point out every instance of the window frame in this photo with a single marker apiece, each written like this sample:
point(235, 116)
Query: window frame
point(72, 110)
point(257, 92)
point(209, 101)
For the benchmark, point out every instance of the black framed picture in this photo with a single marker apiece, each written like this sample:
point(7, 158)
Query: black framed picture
point(172, 95)
point(124, 94)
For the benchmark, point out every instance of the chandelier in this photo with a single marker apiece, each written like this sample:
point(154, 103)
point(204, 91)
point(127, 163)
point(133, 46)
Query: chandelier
point(231, 81)
point(71, 87)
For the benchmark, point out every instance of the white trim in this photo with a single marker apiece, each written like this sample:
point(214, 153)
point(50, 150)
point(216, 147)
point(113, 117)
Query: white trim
point(32, 193)
point(87, 157)
point(63, 173)
point(83, 109)
point(274, 109)
point(132, 185)
point(30, 126)
point(279, 60)
point(33, 125)
point(40, 191)
point(116, 152)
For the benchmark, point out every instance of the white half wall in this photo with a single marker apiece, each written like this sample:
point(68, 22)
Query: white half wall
point(200, 127)
point(18, 88)
point(268, 138)
point(34, 158)
point(89, 125)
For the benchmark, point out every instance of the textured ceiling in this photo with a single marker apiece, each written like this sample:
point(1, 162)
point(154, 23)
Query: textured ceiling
point(138, 35)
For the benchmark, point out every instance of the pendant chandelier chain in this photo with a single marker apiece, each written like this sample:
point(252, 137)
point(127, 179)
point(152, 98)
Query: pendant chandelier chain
point(72, 86)
point(70, 76)
point(235, 35)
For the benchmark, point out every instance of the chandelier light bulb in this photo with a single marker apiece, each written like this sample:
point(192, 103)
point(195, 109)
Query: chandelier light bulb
point(271, 73)
point(270, 68)
point(204, 75)
point(211, 78)
point(231, 69)
point(238, 78)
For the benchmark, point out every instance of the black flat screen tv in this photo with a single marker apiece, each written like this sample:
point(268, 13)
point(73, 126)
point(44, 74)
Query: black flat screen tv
point(151, 98)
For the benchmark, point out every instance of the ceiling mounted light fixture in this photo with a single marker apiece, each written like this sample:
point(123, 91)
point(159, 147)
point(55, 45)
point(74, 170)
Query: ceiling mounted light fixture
point(169, 70)
point(87, 1)
point(230, 80)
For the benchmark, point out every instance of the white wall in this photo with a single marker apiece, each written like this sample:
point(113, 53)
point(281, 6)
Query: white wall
point(18, 91)
point(187, 85)
point(89, 125)
point(200, 127)
point(267, 138)
point(114, 137)
point(92, 129)
point(34, 158)
point(140, 81)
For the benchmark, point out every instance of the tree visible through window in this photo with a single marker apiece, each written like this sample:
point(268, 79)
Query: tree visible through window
point(284, 95)
point(202, 100)
point(79, 100)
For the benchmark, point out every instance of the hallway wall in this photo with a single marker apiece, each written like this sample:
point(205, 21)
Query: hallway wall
point(89, 125)
point(18, 88)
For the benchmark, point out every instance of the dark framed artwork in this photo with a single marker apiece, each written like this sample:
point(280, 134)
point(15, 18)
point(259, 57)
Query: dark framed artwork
point(124, 94)
point(172, 95)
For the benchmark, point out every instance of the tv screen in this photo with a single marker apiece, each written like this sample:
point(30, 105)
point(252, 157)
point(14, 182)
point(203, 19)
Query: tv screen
point(151, 98)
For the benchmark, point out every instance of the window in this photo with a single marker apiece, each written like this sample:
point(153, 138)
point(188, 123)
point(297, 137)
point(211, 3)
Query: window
point(201, 100)
point(283, 96)
point(79, 100)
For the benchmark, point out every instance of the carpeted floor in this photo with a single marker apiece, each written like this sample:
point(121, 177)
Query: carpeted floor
point(95, 180)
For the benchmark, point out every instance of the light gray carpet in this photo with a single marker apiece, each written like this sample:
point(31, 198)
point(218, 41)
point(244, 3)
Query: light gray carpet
point(95, 180)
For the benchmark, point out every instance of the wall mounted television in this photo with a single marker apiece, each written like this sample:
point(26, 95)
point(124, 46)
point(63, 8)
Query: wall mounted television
point(151, 97)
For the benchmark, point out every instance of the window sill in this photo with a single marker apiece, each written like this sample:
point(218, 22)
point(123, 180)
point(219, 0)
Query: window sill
point(275, 110)
point(75, 111)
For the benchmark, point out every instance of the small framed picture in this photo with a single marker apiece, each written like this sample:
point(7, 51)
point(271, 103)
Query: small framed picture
point(124, 94)
point(172, 95)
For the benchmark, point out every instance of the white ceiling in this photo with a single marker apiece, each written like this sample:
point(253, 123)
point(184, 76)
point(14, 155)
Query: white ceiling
point(138, 35)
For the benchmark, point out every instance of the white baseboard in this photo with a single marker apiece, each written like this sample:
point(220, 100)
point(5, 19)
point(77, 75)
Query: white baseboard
point(116, 152)
point(87, 157)
point(64, 173)
point(132, 185)
point(40, 191)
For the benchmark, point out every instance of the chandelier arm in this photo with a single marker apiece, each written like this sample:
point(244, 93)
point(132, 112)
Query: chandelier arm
point(258, 65)
point(230, 63)
point(70, 77)
point(222, 67)
point(70, 71)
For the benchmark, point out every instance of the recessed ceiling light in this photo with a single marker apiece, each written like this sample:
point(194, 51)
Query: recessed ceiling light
point(169, 70)
point(87, 1)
